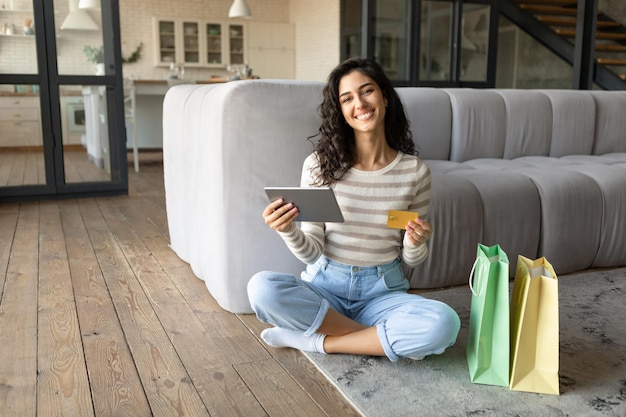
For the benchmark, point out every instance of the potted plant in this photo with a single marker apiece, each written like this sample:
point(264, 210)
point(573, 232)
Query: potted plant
point(95, 55)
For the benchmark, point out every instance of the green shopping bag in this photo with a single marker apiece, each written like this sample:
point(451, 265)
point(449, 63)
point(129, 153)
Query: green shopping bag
point(488, 339)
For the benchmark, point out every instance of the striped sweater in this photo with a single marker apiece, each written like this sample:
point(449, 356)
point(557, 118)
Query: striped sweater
point(364, 198)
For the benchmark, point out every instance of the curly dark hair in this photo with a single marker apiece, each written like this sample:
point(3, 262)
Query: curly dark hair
point(336, 149)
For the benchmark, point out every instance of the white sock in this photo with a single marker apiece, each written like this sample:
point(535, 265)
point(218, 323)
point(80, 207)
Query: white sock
point(277, 337)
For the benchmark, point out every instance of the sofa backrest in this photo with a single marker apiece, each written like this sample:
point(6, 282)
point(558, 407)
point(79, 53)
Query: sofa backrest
point(528, 123)
point(430, 119)
point(573, 122)
point(461, 124)
point(610, 127)
point(478, 124)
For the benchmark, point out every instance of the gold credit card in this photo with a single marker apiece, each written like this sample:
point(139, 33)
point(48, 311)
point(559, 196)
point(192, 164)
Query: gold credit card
point(398, 219)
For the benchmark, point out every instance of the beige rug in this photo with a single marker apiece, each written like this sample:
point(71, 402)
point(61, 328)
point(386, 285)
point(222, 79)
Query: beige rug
point(592, 364)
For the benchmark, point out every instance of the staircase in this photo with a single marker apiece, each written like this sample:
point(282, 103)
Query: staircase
point(560, 16)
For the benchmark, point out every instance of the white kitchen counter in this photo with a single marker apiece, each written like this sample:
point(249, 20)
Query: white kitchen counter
point(149, 95)
point(149, 108)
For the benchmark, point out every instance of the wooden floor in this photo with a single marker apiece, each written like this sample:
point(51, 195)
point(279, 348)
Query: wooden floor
point(27, 167)
point(98, 317)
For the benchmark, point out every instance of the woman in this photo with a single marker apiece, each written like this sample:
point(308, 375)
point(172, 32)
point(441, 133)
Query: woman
point(353, 297)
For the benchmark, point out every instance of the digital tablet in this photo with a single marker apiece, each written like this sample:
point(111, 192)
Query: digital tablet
point(314, 204)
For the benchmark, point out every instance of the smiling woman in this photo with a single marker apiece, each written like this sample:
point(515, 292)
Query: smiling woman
point(352, 298)
point(364, 107)
point(362, 79)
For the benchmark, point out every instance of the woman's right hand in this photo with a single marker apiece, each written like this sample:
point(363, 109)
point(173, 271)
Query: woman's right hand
point(280, 216)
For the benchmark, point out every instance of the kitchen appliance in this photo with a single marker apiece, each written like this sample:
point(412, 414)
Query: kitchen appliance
point(73, 113)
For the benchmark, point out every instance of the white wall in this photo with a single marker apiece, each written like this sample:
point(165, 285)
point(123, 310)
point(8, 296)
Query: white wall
point(136, 26)
point(316, 26)
point(316, 31)
point(317, 37)
point(616, 9)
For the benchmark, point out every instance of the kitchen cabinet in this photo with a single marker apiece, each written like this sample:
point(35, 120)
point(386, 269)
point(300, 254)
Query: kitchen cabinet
point(177, 42)
point(191, 43)
point(20, 121)
point(214, 36)
point(196, 43)
point(236, 44)
point(165, 42)
point(271, 50)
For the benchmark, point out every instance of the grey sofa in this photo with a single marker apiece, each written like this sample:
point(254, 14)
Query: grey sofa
point(542, 173)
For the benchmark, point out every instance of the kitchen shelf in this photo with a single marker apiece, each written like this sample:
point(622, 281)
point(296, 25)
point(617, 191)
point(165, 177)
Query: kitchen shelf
point(21, 11)
point(18, 35)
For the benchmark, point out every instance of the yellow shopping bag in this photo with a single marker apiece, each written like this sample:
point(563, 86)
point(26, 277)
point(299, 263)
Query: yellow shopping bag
point(535, 328)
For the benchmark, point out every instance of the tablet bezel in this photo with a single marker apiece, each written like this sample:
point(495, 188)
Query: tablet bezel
point(316, 204)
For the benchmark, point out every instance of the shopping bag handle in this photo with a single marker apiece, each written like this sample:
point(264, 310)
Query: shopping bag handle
point(491, 259)
point(471, 276)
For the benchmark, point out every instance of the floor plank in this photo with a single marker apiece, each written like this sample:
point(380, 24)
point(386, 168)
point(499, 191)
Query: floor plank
point(18, 319)
point(183, 320)
point(163, 376)
point(63, 386)
point(8, 221)
point(112, 372)
point(182, 325)
point(306, 374)
point(92, 295)
point(277, 390)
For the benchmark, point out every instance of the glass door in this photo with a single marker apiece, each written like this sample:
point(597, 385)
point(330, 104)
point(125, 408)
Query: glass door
point(392, 37)
point(474, 41)
point(442, 43)
point(436, 40)
point(21, 140)
point(61, 112)
point(352, 29)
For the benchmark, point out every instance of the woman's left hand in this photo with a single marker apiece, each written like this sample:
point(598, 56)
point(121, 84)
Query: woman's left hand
point(418, 232)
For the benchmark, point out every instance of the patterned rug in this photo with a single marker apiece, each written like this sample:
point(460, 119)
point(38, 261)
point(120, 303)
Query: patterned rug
point(592, 311)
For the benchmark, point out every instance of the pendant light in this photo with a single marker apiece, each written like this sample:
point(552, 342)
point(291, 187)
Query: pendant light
point(89, 4)
point(239, 9)
point(78, 19)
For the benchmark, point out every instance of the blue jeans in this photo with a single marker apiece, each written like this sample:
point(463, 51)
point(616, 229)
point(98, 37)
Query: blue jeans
point(408, 325)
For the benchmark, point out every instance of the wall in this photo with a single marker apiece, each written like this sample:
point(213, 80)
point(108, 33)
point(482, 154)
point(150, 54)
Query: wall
point(614, 8)
point(317, 37)
point(316, 24)
point(136, 27)
point(18, 55)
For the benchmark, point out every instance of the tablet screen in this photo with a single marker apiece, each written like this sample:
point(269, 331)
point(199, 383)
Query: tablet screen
point(314, 204)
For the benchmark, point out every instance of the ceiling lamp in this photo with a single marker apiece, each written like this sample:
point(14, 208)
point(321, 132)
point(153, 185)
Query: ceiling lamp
point(89, 4)
point(239, 9)
point(78, 19)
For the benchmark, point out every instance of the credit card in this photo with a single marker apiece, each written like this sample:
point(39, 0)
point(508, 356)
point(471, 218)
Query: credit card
point(397, 219)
